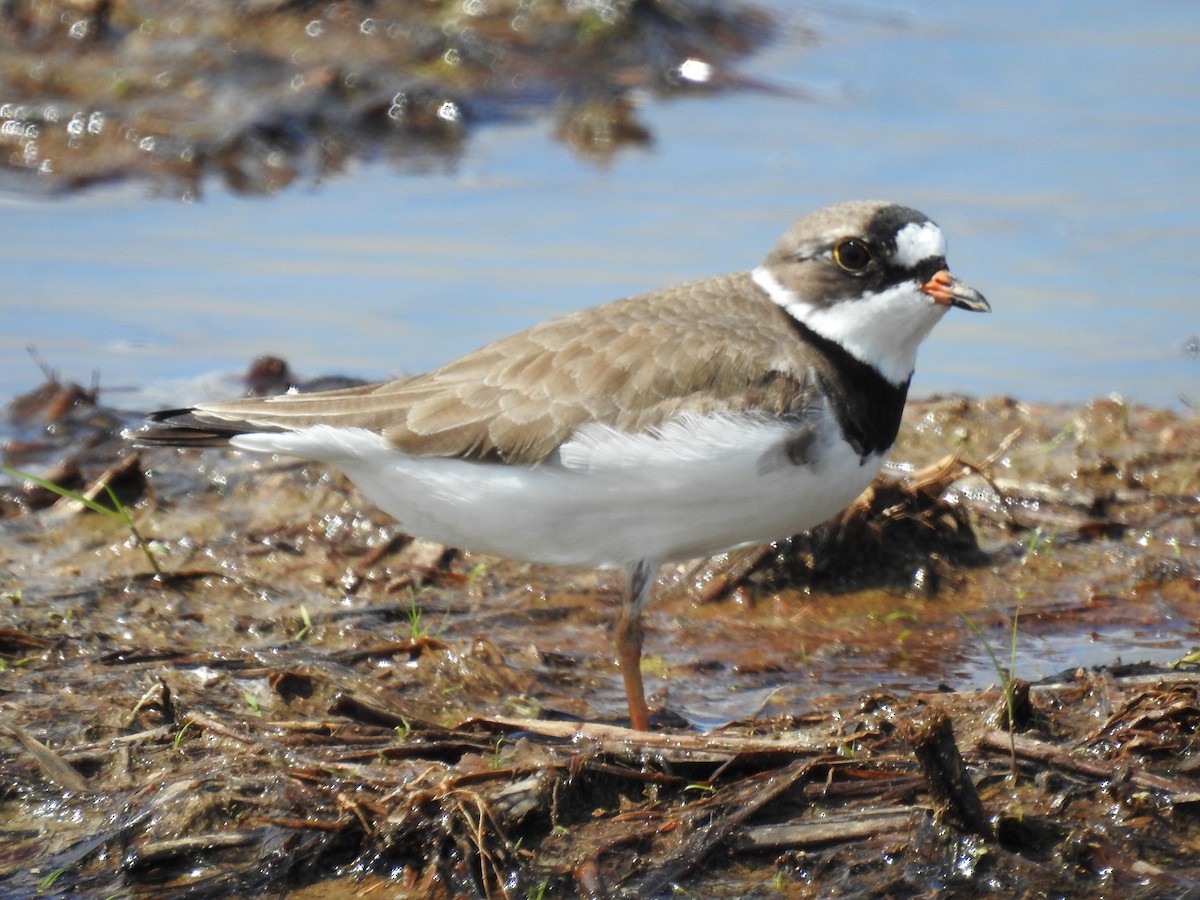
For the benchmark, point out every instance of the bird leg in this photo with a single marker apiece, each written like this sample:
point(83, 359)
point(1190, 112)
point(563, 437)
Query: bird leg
point(627, 635)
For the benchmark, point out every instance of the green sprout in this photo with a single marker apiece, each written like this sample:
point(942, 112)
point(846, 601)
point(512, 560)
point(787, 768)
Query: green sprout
point(117, 512)
point(1006, 677)
point(306, 627)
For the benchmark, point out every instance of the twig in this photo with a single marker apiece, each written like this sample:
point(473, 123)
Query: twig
point(1181, 790)
point(52, 764)
point(835, 829)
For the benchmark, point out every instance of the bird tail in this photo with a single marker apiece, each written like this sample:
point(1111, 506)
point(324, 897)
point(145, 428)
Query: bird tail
point(183, 428)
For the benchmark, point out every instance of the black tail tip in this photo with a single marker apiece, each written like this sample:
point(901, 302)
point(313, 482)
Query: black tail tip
point(180, 428)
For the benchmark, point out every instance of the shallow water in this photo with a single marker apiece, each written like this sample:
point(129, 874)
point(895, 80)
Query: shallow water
point(1060, 159)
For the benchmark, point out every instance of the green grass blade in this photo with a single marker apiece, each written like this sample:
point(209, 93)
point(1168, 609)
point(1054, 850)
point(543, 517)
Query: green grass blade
point(69, 494)
point(117, 512)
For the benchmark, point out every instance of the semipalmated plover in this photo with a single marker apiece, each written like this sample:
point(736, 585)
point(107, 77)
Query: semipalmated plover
point(676, 424)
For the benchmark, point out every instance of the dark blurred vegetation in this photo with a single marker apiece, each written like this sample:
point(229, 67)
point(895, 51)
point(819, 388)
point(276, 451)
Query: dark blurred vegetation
point(262, 92)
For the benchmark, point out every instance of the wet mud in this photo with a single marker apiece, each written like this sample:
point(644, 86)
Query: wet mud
point(306, 701)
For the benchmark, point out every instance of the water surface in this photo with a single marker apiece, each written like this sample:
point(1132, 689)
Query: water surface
point(1059, 158)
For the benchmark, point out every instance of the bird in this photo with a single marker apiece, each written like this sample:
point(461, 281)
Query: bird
point(734, 410)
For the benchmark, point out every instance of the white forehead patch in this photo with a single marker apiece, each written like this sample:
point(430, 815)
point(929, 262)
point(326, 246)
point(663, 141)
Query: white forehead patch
point(917, 242)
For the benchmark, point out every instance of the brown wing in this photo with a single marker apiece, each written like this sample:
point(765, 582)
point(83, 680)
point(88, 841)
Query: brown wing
point(714, 344)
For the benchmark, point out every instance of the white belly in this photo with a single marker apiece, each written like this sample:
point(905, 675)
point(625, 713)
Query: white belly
point(698, 486)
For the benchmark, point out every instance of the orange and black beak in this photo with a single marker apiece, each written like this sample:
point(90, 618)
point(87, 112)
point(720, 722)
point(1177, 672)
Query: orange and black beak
point(947, 290)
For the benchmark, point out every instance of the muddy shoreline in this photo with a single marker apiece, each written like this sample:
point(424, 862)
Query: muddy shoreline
point(267, 689)
point(309, 701)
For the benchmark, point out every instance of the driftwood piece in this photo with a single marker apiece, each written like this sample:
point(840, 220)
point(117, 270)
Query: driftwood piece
point(955, 799)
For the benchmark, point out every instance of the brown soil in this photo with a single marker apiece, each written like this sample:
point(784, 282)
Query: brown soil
point(308, 702)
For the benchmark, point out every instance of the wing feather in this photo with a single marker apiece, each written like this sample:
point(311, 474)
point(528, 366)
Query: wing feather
point(713, 345)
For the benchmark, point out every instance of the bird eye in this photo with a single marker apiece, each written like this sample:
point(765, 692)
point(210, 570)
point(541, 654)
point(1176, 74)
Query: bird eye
point(852, 255)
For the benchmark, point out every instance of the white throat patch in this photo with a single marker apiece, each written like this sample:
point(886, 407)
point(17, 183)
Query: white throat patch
point(917, 242)
point(882, 330)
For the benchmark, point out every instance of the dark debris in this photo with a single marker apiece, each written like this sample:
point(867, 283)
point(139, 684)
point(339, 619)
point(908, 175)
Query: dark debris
point(308, 701)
